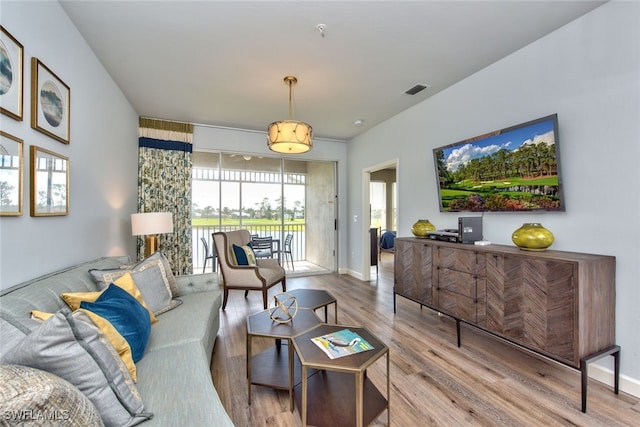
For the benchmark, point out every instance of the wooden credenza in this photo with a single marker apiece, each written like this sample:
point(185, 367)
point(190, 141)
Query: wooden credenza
point(555, 303)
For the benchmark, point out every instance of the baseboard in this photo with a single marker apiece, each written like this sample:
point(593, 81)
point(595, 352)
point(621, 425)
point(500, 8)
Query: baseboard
point(604, 375)
point(350, 272)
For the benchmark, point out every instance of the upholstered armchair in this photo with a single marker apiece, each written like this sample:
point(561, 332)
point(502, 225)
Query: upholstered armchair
point(260, 277)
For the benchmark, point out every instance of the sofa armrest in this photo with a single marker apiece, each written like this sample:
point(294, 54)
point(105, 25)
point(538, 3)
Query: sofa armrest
point(193, 283)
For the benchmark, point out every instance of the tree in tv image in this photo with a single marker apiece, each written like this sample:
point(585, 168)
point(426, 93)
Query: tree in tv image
point(513, 169)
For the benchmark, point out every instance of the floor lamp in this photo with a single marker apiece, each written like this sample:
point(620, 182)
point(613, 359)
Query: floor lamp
point(151, 224)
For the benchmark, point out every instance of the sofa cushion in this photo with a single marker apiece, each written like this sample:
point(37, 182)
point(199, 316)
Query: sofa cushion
point(187, 366)
point(39, 398)
point(126, 314)
point(70, 346)
point(177, 327)
point(151, 276)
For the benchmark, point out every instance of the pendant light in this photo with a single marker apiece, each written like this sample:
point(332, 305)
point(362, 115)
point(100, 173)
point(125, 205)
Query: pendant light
point(290, 136)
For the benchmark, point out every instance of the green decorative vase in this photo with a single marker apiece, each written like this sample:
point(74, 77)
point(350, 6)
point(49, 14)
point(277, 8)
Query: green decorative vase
point(422, 227)
point(532, 237)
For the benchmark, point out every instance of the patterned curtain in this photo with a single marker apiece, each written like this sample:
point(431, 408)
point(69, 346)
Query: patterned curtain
point(164, 185)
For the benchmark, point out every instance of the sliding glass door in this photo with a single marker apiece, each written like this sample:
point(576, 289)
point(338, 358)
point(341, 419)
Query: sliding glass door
point(270, 197)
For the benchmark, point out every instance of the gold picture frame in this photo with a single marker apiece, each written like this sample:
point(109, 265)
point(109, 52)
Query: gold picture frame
point(50, 103)
point(11, 72)
point(11, 172)
point(49, 183)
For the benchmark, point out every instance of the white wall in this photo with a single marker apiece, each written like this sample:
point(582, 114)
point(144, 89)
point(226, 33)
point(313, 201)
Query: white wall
point(589, 73)
point(102, 153)
point(211, 138)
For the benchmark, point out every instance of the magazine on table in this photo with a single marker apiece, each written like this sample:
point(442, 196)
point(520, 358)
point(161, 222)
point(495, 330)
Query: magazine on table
point(341, 343)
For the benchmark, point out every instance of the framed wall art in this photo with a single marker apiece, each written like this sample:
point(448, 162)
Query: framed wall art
point(11, 72)
point(11, 171)
point(50, 103)
point(49, 183)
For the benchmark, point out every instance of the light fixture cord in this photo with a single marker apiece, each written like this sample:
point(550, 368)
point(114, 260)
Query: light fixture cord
point(290, 98)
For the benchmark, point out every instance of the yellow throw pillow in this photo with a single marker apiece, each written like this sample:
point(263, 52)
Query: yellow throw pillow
point(117, 341)
point(126, 282)
point(40, 315)
point(73, 299)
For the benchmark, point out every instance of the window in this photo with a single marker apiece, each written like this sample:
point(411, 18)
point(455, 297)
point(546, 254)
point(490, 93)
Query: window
point(269, 197)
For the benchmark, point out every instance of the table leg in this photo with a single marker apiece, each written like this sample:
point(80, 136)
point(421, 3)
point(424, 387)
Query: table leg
point(291, 361)
point(584, 364)
point(388, 392)
point(304, 396)
point(359, 399)
point(249, 367)
point(335, 308)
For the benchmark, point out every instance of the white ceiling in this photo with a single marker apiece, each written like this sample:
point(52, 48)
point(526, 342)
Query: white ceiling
point(223, 62)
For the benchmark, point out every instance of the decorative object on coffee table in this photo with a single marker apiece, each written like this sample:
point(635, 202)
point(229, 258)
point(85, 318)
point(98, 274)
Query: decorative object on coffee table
point(285, 308)
point(422, 227)
point(532, 237)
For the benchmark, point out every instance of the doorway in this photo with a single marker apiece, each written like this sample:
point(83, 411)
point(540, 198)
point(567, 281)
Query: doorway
point(379, 210)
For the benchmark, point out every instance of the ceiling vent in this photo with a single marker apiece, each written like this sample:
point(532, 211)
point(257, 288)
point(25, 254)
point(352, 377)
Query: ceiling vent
point(416, 89)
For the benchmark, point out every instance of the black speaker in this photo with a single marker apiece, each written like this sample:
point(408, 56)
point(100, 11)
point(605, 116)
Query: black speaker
point(469, 229)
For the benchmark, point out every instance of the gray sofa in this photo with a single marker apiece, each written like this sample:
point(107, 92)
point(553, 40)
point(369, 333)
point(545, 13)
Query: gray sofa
point(174, 380)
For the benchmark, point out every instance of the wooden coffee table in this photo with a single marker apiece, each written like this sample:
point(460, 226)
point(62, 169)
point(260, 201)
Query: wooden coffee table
point(315, 299)
point(327, 397)
point(273, 367)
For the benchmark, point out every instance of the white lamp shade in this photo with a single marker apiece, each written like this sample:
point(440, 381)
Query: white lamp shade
point(148, 223)
point(290, 137)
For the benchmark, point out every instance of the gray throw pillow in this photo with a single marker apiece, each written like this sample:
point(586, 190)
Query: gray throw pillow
point(152, 276)
point(38, 398)
point(11, 333)
point(71, 347)
point(157, 297)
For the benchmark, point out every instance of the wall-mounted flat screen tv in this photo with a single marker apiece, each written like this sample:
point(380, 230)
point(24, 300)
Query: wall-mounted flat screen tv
point(510, 170)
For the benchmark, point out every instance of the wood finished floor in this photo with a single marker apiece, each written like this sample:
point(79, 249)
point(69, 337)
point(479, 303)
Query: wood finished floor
point(433, 383)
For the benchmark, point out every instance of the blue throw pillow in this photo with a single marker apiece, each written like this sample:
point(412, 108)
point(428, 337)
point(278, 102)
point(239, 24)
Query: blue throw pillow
point(126, 314)
point(244, 255)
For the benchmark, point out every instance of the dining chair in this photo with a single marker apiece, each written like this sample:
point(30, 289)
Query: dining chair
point(207, 255)
point(262, 246)
point(286, 250)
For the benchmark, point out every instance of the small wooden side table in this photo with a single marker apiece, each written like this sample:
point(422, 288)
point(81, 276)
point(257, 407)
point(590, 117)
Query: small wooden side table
point(327, 398)
point(272, 367)
point(315, 299)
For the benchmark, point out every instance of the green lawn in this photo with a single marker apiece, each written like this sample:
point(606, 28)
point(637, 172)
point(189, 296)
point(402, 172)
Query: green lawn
point(213, 222)
point(470, 185)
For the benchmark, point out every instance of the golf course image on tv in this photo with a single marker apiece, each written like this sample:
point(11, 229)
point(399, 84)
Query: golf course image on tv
point(509, 170)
